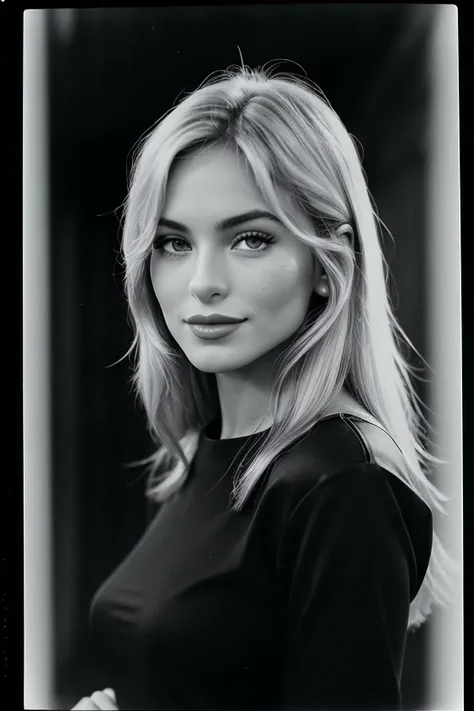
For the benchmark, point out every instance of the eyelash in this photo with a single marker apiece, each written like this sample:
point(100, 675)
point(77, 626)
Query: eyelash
point(160, 242)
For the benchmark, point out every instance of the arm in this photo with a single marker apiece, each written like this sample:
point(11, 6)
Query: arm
point(348, 567)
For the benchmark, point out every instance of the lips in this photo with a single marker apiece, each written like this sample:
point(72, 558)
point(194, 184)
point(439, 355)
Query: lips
point(213, 319)
point(213, 331)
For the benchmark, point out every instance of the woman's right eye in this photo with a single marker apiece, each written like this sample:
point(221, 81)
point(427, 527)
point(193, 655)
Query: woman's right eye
point(178, 244)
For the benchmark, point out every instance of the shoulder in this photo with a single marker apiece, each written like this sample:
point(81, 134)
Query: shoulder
point(348, 469)
point(333, 446)
point(336, 443)
point(343, 448)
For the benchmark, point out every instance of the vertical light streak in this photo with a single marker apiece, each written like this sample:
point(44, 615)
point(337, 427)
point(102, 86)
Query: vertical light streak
point(444, 325)
point(38, 638)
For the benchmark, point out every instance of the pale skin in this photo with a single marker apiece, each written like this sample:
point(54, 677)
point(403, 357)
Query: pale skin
point(203, 269)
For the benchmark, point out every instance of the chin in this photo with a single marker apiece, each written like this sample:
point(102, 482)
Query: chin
point(220, 362)
point(217, 365)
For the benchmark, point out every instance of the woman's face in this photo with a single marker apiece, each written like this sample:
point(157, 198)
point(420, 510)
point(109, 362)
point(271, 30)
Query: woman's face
point(212, 257)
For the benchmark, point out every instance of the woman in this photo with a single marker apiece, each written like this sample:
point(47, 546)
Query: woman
point(293, 544)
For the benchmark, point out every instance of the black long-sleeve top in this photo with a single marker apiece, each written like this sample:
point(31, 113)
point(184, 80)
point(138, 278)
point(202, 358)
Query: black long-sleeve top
point(298, 602)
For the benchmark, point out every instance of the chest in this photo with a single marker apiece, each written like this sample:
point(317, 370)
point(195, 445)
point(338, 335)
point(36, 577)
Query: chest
point(201, 584)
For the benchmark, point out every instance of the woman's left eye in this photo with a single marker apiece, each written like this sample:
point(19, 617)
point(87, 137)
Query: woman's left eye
point(262, 239)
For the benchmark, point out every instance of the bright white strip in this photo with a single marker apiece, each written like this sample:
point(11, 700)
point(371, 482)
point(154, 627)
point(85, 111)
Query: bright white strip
point(444, 355)
point(38, 652)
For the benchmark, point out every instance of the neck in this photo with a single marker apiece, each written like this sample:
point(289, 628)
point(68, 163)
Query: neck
point(244, 402)
point(244, 398)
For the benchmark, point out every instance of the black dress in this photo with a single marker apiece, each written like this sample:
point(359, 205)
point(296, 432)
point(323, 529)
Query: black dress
point(298, 602)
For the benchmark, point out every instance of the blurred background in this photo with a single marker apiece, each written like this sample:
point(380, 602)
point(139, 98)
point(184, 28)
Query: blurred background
point(98, 79)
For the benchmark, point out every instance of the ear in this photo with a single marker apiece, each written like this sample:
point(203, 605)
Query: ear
point(346, 233)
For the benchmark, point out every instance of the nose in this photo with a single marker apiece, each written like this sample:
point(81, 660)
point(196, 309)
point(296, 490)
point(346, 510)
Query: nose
point(209, 280)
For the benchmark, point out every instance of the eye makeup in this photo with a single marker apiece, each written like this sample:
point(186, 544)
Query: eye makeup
point(265, 239)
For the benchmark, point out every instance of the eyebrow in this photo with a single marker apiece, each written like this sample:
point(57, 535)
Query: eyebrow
point(224, 224)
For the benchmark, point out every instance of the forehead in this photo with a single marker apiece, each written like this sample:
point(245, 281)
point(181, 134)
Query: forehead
point(211, 177)
point(214, 183)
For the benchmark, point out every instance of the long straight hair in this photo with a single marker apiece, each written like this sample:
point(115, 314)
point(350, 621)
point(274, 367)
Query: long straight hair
point(291, 139)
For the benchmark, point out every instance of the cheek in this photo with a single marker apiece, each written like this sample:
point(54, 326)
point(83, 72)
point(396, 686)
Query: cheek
point(285, 287)
point(164, 286)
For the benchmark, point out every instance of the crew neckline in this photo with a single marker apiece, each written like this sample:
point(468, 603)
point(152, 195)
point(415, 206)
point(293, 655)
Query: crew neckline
point(215, 426)
point(209, 445)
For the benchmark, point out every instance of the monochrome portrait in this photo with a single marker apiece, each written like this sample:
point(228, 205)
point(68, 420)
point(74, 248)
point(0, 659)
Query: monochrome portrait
point(242, 359)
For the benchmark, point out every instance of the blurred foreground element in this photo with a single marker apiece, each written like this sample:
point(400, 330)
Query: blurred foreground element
point(38, 513)
point(444, 341)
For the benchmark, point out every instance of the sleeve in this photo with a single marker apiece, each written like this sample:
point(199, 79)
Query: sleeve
point(348, 567)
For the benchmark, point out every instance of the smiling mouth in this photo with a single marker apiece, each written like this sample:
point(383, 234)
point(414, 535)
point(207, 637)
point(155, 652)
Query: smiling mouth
point(213, 331)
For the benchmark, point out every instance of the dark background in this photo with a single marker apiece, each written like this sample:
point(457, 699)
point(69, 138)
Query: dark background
point(112, 74)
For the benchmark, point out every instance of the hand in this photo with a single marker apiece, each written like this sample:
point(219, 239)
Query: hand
point(99, 700)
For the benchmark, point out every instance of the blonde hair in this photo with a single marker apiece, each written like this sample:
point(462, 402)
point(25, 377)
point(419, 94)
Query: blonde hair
point(291, 138)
